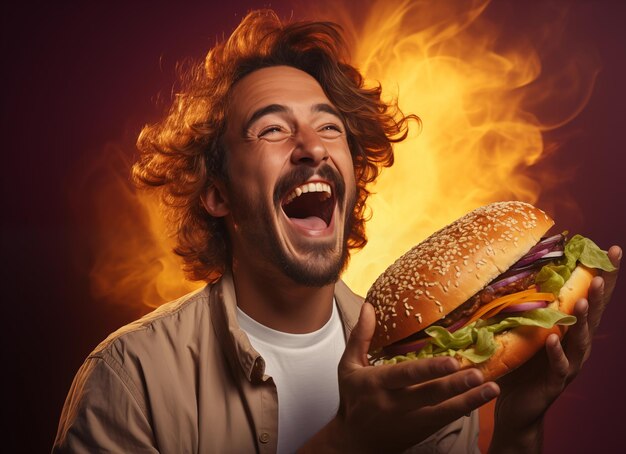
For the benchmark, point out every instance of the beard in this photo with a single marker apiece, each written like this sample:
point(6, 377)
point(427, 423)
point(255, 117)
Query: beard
point(256, 223)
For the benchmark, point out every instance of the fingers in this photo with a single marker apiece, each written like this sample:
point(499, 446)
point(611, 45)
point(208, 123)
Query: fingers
point(565, 363)
point(358, 344)
point(615, 256)
point(558, 362)
point(597, 303)
point(578, 344)
point(410, 373)
point(462, 404)
point(436, 391)
point(438, 401)
point(601, 289)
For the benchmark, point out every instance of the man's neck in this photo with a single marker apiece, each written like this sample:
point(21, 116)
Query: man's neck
point(277, 302)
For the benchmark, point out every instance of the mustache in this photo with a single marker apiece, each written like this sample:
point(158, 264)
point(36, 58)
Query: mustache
point(302, 174)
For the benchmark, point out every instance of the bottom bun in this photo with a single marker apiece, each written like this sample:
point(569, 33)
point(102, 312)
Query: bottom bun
point(518, 345)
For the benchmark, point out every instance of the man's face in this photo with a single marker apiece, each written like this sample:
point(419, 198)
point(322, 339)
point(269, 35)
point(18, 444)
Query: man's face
point(290, 185)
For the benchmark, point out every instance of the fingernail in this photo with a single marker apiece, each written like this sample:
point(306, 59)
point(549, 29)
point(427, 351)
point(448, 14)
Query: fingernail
point(488, 393)
point(554, 339)
point(583, 306)
point(450, 366)
point(586, 308)
point(472, 380)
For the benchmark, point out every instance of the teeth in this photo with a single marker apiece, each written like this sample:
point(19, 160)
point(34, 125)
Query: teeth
point(310, 187)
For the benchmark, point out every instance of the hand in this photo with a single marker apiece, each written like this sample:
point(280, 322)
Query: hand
point(392, 407)
point(529, 391)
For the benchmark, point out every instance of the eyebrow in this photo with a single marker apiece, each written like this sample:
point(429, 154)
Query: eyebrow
point(272, 108)
point(324, 107)
point(279, 108)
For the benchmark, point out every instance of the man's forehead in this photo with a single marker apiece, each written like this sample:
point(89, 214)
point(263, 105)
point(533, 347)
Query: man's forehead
point(276, 85)
point(271, 74)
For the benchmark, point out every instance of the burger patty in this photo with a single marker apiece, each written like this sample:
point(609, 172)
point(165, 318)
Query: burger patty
point(485, 296)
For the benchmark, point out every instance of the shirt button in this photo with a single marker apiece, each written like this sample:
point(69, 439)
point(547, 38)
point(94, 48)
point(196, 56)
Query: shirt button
point(264, 437)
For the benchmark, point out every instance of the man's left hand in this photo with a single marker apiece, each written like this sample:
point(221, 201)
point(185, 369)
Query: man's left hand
point(527, 392)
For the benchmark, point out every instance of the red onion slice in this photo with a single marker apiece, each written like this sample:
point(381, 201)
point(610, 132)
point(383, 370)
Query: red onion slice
point(539, 250)
point(552, 239)
point(403, 349)
point(524, 306)
point(509, 279)
point(529, 258)
point(457, 325)
point(547, 243)
point(536, 265)
point(553, 255)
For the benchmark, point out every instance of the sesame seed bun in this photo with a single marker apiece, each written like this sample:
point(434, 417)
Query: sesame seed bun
point(445, 270)
point(452, 265)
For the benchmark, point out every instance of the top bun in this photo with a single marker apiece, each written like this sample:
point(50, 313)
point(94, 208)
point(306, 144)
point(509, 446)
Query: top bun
point(445, 270)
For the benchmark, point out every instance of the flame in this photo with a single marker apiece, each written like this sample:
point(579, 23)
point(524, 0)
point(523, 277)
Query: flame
point(133, 264)
point(478, 141)
point(481, 141)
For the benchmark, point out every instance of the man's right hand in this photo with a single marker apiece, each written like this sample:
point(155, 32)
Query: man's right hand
point(389, 408)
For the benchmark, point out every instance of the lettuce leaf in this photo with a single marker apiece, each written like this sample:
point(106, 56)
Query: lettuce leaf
point(577, 250)
point(552, 277)
point(585, 251)
point(476, 340)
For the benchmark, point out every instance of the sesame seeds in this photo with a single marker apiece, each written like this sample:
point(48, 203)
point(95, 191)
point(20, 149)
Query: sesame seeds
point(450, 266)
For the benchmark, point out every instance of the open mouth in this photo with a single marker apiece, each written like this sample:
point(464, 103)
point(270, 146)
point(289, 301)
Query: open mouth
point(310, 205)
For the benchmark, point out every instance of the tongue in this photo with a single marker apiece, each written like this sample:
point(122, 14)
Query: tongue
point(311, 223)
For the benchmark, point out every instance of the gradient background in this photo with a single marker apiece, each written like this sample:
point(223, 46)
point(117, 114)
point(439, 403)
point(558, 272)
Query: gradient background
point(77, 78)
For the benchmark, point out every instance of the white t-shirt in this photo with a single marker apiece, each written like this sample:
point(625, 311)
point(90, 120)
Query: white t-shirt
point(304, 369)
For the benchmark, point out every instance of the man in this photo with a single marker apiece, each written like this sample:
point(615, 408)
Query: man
point(263, 164)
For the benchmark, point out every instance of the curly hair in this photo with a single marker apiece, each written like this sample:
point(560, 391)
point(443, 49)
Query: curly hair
point(183, 154)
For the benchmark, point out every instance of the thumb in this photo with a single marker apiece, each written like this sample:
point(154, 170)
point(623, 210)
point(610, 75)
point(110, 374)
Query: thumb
point(358, 344)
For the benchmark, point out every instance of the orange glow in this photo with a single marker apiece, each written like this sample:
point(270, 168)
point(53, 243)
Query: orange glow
point(479, 142)
point(134, 263)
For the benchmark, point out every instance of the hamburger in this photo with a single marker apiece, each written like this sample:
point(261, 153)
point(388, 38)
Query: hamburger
point(487, 289)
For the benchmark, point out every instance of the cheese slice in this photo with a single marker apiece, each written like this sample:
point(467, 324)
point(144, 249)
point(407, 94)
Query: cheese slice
point(495, 306)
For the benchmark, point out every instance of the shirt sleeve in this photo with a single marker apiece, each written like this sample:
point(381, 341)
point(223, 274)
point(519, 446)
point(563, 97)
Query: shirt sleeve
point(102, 414)
point(458, 437)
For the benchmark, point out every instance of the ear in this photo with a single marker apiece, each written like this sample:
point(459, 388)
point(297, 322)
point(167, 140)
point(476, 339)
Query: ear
point(215, 200)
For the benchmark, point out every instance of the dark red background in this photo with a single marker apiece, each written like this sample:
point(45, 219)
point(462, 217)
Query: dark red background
point(76, 77)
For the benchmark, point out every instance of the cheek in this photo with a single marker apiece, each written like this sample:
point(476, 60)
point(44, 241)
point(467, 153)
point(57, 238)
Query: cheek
point(257, 174)
point(345, 164)
point(350, 180)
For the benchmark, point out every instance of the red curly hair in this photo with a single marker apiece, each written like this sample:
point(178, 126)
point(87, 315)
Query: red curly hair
point(183, 154)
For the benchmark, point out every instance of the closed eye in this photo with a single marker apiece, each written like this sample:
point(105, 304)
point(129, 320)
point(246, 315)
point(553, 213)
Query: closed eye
point(273, 133)
point(270, 130)
point(330, 131)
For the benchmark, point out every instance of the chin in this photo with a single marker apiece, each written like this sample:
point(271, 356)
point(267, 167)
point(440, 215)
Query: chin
point(316, 262)
point(319, 272)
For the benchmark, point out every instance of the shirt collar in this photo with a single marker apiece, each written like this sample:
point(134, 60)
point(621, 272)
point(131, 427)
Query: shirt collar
point(239, 351)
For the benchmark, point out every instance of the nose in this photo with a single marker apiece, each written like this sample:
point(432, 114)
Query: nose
point(309, 148)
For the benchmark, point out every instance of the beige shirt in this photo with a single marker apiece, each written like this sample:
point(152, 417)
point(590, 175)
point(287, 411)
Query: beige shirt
point(185, 379)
